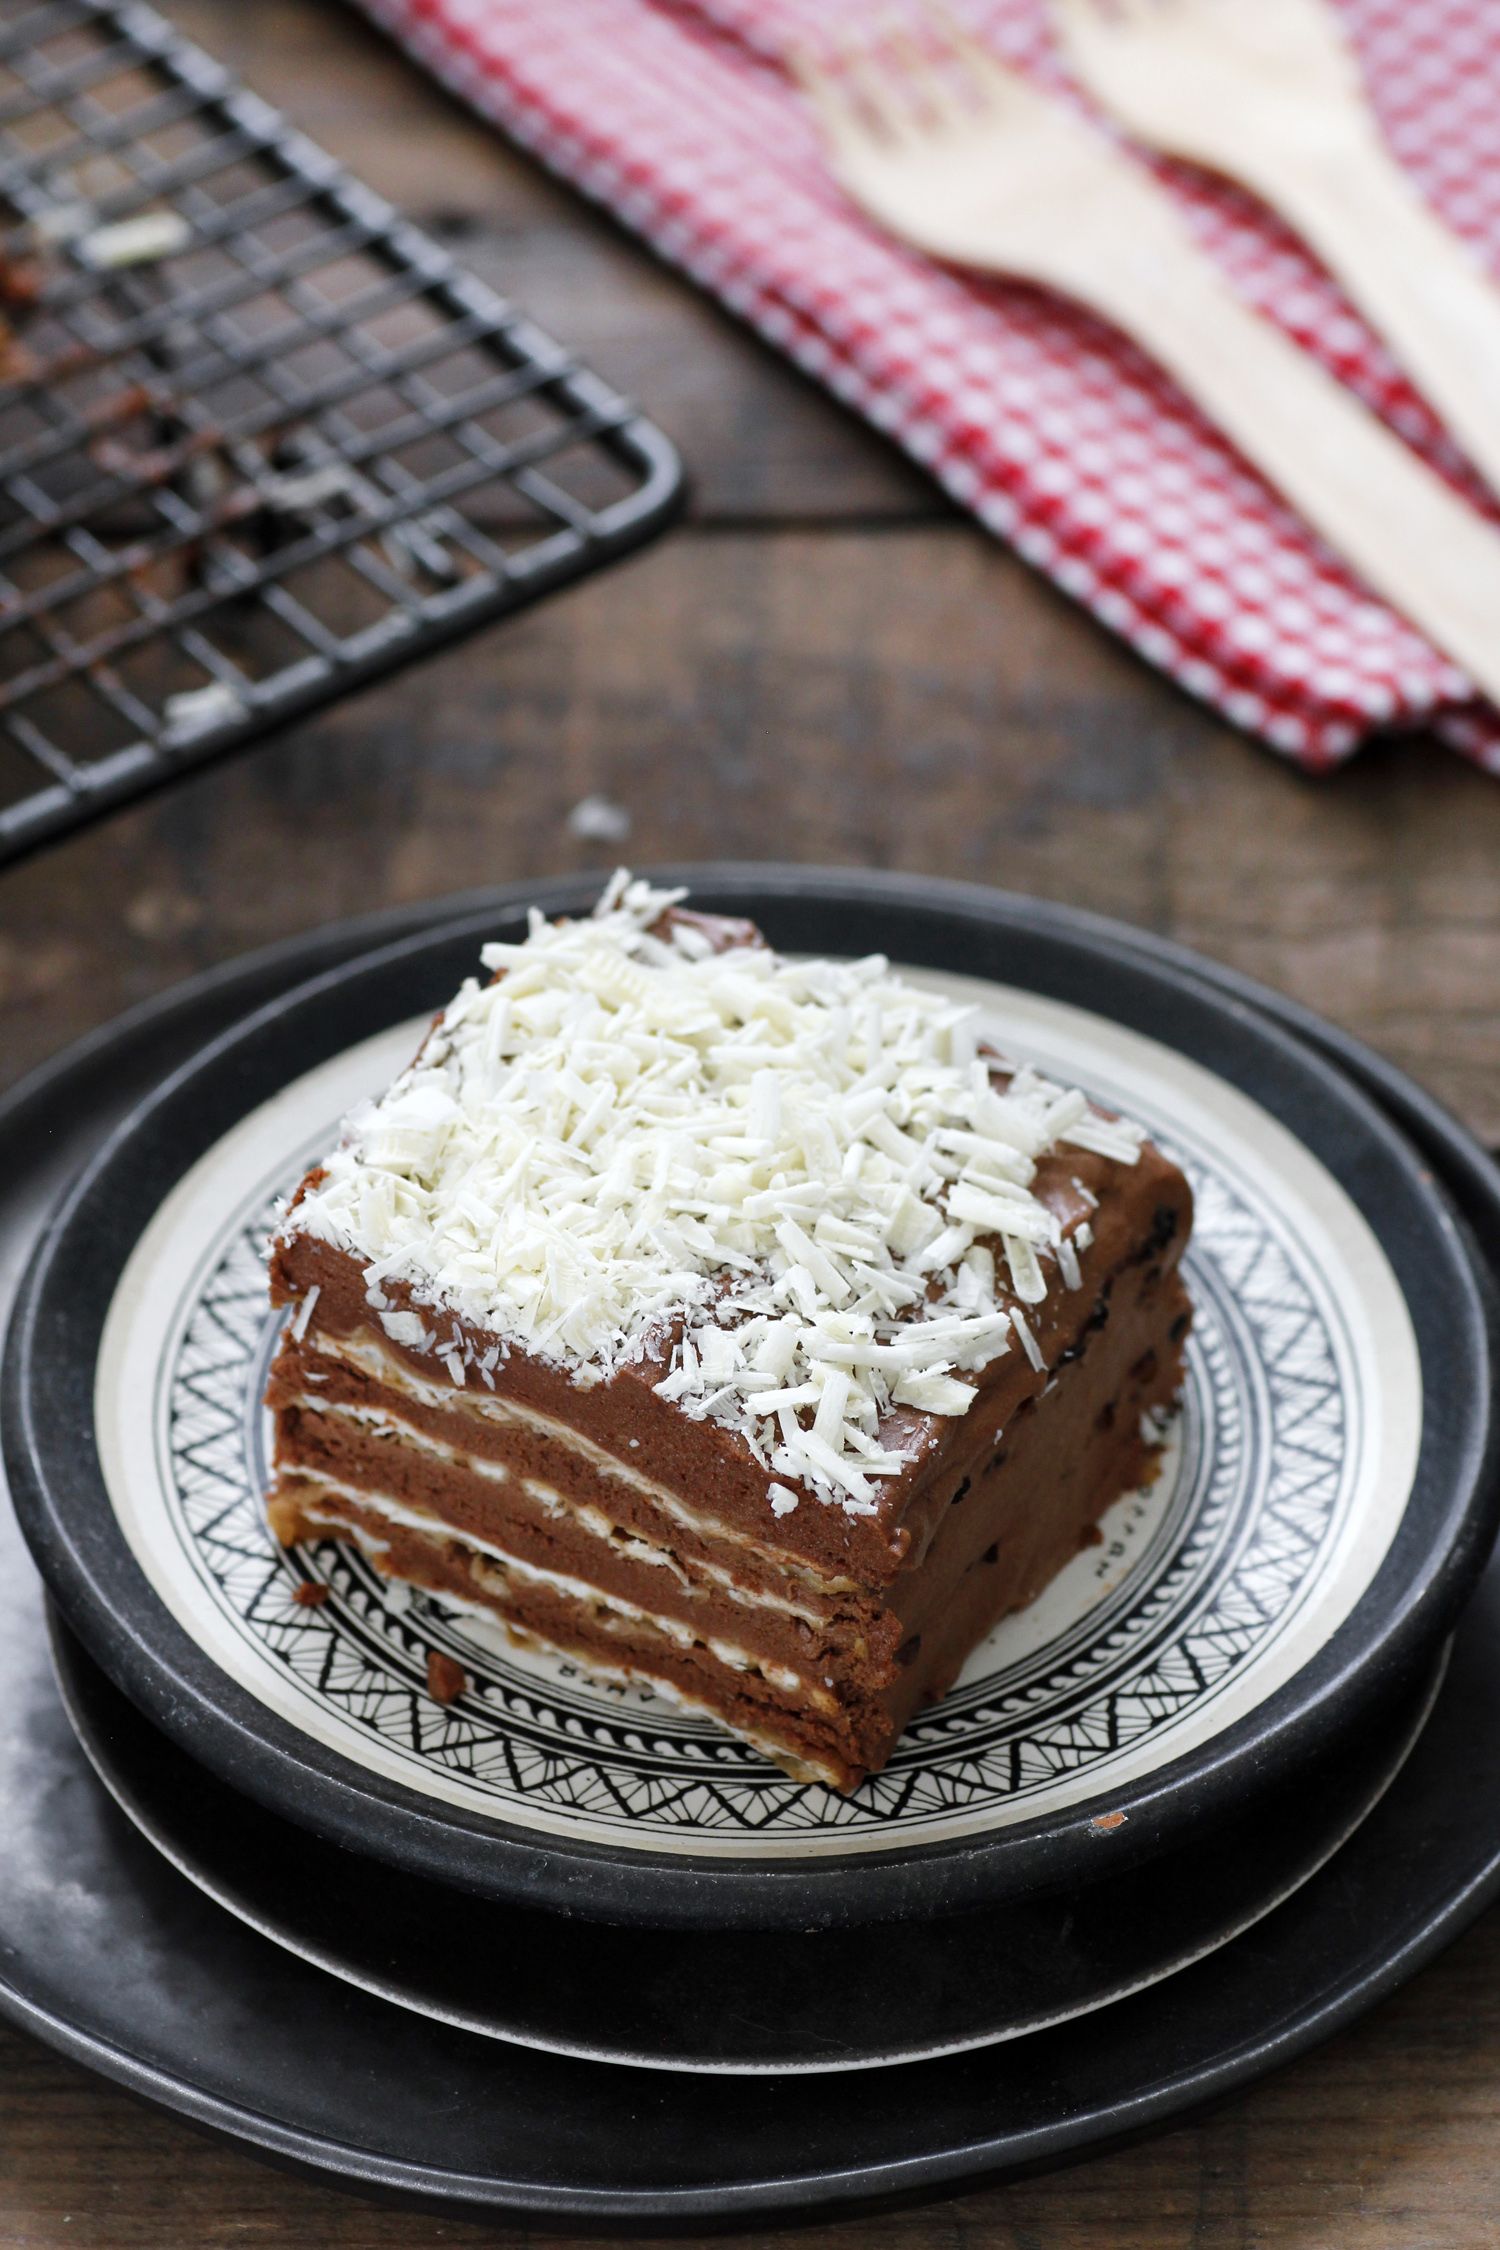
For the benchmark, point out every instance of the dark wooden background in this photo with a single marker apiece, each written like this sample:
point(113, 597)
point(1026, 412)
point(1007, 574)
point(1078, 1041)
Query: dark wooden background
point(823, 663)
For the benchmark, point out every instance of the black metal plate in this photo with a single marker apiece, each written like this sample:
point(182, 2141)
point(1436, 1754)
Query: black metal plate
point(162, 1993)
point(296, 450)
point(1395, 1627)
point(736, 2002)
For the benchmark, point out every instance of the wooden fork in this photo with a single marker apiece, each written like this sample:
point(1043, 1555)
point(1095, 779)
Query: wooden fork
point(949, 148)
point(1268, 92)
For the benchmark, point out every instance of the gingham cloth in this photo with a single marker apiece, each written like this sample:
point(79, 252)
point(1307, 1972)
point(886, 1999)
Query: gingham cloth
point(1062, 438)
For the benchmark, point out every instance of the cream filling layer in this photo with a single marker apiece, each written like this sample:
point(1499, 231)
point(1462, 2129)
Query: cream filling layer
point(792, 1757)
point(556, 1504)
point(370, 1358)
point(727, 1653)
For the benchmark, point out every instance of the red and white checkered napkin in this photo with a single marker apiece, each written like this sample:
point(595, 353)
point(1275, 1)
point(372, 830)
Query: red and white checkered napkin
point(1062, 438)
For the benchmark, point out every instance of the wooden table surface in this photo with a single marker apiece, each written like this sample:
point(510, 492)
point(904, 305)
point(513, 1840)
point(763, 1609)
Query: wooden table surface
point(823, 663)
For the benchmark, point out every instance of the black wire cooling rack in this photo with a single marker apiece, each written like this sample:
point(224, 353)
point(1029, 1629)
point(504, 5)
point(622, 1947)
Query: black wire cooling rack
point(259, 438)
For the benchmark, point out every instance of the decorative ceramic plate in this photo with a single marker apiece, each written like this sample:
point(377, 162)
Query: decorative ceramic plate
point(1325, 1502)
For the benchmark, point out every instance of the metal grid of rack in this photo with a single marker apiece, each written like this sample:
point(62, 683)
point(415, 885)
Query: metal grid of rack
point(260, 439)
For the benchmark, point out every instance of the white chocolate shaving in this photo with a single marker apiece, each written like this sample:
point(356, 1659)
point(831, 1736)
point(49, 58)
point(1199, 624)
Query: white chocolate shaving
point(775, 1173)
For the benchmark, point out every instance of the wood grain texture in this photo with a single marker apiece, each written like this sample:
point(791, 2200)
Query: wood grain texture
point(824, 664)
point(909, 697)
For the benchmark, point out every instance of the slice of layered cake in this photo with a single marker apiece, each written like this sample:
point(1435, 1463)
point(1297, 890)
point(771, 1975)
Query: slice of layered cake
point(737, 1324)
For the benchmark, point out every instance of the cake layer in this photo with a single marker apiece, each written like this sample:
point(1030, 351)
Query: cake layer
point(790, 1715)
point(1010, 1524)
point(536, 1452)
point(543, 1529)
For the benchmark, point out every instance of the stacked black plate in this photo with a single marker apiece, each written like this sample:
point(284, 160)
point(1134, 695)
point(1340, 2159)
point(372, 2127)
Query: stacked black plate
point(566, 1953)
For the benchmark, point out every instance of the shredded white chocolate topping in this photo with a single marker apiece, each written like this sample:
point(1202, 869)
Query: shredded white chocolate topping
point(801, 1171)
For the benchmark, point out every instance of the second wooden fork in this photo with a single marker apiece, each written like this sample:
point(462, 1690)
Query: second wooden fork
point(952, 150)
point(1271, 94)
